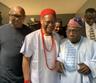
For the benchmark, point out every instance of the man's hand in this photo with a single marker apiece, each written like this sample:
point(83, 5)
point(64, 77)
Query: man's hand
point(84, 69)
point(59, 67)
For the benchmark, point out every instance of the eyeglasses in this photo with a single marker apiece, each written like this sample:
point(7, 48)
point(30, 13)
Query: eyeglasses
point(72, 30)
point(17, 16)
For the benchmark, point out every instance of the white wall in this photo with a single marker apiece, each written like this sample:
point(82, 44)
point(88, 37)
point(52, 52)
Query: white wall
point(4, 9)
point(88, 4)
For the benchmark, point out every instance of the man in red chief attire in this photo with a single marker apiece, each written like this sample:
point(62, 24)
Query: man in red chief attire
point(40, 50)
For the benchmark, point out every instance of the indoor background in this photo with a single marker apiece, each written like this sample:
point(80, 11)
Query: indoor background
point(65, 9)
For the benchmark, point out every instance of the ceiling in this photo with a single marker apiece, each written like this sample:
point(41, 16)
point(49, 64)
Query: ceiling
point(33, 7)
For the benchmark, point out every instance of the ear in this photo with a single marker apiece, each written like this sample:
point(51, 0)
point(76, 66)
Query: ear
point(41, 20)
point(85, 17)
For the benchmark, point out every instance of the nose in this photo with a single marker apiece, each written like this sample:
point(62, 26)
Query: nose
point(91, 22)
point(16, 19)
point(71, 33)
point(51, 25)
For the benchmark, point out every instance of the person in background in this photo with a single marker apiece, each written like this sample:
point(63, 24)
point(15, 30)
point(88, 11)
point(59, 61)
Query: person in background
point(58, 25)
point(90, 25)
point(60, 29)
point(78, 56)
point(11, 39)
point(40, 50)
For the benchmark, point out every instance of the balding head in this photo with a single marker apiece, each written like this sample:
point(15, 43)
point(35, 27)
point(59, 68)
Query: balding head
point(17, 16)
point(18, 10)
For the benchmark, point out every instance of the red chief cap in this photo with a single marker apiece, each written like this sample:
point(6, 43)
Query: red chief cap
point(47, 12)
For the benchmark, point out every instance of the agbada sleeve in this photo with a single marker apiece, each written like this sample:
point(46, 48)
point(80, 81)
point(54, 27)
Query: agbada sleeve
point(61, 53)
point(27, 47)
point(91, 63)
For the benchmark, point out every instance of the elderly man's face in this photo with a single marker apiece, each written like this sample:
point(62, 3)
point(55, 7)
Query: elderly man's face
point(48, 23)
point(73, 34)
point(16, 17)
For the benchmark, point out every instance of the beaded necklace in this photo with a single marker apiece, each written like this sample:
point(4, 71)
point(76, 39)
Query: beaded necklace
point(53, 47)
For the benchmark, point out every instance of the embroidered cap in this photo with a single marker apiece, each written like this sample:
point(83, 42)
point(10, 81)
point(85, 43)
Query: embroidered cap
point(76, 22)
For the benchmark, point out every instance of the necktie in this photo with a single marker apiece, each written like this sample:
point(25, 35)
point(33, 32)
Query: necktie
point(92, 34)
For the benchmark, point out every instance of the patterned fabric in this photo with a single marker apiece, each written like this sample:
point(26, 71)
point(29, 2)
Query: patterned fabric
point(85, 54)
point(73, 23)
point(70, 63)
point(92, 34)
point(76, 22)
